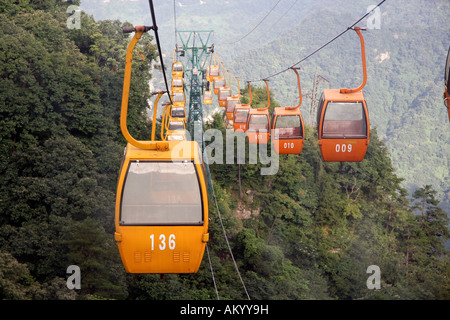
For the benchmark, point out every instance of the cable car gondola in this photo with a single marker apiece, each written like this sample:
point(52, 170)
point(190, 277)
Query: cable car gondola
point(224, 92)
point(287, 127)
point(177, 70)
point(343, 120)
point(179, 97)
point(178, 111)
point(213, 71)
point(230, 105)
point(207, 97)
point(177, 84)
point(232, 102)
point(258, 123)
point(219, 82)
point(241, 112)
point(161, 211)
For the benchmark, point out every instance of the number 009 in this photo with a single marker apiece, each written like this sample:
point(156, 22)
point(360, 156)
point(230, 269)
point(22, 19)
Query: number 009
point(344, 148)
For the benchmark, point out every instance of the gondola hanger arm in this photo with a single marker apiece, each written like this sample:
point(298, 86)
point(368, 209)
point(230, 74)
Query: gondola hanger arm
point(363, 55)
point(268, 94)
point(299, 89)
point(139, 30)
point(250, 93)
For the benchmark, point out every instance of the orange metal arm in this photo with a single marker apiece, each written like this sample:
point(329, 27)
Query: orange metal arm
point(239, 88)
point(363, 54)
point(299, 90)
point(250, 92)
point(126, 93)
point(268, 95)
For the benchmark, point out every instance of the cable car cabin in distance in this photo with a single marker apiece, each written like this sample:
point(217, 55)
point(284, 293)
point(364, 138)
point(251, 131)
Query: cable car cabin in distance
point(219, 82)
point(176, 124)
point(240, 117)
point(207, 97)
point(178, 97)
point(287, 126)
point(343, 126)
point(258, 123)
point(212, 73)
point(177, 70)
point(230, 105)
point(177, 85)
point(287, 131)
point(241, 113)
point(178, 111)
point(224, 93)
point(258, 129)
point(161, 214)
point(176, 135)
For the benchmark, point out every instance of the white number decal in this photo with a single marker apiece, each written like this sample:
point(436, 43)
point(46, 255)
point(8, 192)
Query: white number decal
point(172, 242)
point(258, 136)
point(344, 148)
point(162, 242)
point(288, 145)
point(162, 245)
point(152, 237)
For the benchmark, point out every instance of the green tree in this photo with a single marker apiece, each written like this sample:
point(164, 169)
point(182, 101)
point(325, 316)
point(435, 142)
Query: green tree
point(90, 248)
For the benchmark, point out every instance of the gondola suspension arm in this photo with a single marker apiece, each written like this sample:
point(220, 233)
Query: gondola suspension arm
point(363, 55)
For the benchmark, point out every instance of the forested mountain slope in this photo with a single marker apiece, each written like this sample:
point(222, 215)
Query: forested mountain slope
point(308, 232)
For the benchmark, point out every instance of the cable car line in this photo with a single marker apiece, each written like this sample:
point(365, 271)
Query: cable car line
point(212, 272)
point(351, 27)
point(281, 17)
point(175, 22)
point(228, 244)
point(258, 23)
point(155, 29)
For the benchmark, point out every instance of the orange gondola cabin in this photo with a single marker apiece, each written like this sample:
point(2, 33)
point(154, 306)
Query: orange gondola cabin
point(287, 127)
point(258, 123)
point(343, 120)
point(343, 126)
point(161, 210)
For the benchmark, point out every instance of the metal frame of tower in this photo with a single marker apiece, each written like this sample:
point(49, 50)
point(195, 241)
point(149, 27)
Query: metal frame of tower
point(313, 95)
point(194, 74)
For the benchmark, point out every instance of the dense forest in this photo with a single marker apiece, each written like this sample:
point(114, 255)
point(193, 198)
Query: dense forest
point(308, 232)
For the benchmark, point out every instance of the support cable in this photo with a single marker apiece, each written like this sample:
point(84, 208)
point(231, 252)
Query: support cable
point(258, 23)
point(212, 272)
point(175, 24)
point(323, 46)
point(229, 247)
point(155, 28)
